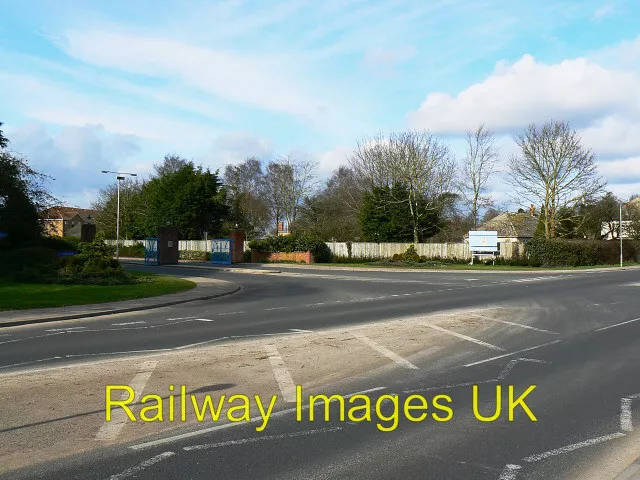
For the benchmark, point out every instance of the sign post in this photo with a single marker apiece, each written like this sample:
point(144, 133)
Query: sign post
point(483, 243)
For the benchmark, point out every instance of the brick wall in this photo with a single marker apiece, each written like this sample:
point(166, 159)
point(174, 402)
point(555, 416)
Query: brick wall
point(298, 257)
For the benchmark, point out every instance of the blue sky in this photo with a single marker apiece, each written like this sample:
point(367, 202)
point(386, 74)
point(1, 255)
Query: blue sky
point(86, 86)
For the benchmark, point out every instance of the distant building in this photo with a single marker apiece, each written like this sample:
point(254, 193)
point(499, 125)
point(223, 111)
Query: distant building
point(67, 221)
point(513, 227)
point(282, 231)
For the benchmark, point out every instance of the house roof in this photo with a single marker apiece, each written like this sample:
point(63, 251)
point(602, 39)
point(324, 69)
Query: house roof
point(508, 224)
point(67, 213)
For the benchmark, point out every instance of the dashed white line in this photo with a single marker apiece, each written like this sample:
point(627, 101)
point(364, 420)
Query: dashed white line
point(510, 354)
point(506, 322)
point(203, 320)
point(129, 472)
point(570, 448)
point(618, 324)
point(464, 337)
point(67, 329)
point(299, 330)
point(275, 308)
point(626, 424)
point(204, 431)
point(128, 323)
point(510, 472)
point(386, 352)
point(230, 313)
point(281, 374)
point(111, 430)
point(208, 446)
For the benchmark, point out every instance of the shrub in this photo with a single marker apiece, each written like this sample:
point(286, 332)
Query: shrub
point(194, 255)
point(29, 264)
point(562, 252)
point(60, 243)
point(293, 243)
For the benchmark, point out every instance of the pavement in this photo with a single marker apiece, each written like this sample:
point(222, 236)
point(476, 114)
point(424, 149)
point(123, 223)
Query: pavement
point(575, 335)
point(206, 289)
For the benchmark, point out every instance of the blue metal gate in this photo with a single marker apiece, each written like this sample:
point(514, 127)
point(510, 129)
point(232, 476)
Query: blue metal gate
point(221, 251)
point(151, 251)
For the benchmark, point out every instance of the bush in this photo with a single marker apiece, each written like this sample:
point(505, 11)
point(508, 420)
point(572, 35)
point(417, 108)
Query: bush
point(29, 264)
point(293, 243)
point(347, 260)
point(194, 255)
point(60, 243)
point(411, 255)
point(558, 252)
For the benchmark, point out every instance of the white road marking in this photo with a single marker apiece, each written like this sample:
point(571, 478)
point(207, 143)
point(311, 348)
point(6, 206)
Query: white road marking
point(626, 424)
point(280, 372)
point(449, 387)
point(129, 472)
point(128, 323)
point(570, 448)
point(5, 335)
point(179, 318)
point(205, 431)
point(506, 322)
point(386, 352)
point(618, 324)
point(111, 430)
point(231, 313)
point(513, 363)
point(275, 308)
point(510, 472)
point(30, 362)
point(242, 441)
point(203, 320)
point(299, 330)
point(464, 337)
point(510, 354)
point(67, 329)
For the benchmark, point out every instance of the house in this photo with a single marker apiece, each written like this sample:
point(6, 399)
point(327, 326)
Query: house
point(514, 230)
point(632, 213)
point(63, 221)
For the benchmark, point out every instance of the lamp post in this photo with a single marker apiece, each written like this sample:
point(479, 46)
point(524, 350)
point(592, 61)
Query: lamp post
point(119, 178)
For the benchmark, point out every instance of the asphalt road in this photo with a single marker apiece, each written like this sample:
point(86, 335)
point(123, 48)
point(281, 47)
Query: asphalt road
point(585, 376)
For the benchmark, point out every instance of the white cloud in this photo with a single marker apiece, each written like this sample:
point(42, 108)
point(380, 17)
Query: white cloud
point(529, 91)
point(330, 160)
point(233, 147)
point(74, 156)
point(271, 82)
point(386, 58)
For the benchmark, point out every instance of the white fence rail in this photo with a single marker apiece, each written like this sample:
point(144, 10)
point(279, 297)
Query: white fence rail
point(369, 250)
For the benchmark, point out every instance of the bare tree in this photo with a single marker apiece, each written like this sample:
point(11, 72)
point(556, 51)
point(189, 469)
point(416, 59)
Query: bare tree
point(245, 184)
point(417, 160)
point(477, 167)
point(554, 170)
point(171, 163)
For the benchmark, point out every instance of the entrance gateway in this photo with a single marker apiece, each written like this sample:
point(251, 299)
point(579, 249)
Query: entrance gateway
point(151, 251)
point(221, 251)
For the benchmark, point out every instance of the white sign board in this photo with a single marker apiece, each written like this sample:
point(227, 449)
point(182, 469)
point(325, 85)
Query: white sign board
point(483, 241)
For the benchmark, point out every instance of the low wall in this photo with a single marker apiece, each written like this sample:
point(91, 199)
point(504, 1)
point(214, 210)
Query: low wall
point(298, 257)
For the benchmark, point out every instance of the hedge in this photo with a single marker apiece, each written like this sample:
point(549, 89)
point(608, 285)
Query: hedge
point(573, 253)
point(293, 243)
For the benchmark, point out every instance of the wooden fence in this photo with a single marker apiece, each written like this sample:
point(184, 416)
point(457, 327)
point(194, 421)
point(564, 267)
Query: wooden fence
point(366, 250)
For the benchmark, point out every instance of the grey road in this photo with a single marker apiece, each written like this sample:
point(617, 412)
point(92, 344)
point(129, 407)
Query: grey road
point(581, 350)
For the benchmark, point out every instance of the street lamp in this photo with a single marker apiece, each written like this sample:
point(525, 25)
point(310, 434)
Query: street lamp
point(119, 178)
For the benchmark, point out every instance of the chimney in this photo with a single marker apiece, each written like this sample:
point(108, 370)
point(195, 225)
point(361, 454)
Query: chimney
point(532, 210)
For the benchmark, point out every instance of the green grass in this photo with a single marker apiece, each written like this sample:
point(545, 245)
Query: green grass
point(477, 266)
point(20, 296)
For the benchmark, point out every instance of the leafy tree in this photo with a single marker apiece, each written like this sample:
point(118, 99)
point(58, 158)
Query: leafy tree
point(384, 218)
point(132, 209)
point(3, 141)
point(191, 199)
point(22, 197)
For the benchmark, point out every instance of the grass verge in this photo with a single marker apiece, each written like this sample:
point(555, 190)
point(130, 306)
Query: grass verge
point(464, 266)
point(21, 296)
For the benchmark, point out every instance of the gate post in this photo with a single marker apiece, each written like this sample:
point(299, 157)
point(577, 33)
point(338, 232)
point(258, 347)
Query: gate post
point(237, 254)
point(168, 240)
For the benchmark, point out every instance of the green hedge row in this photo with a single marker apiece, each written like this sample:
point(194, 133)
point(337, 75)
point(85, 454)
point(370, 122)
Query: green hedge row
point(293, 243)
point(558, 252)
